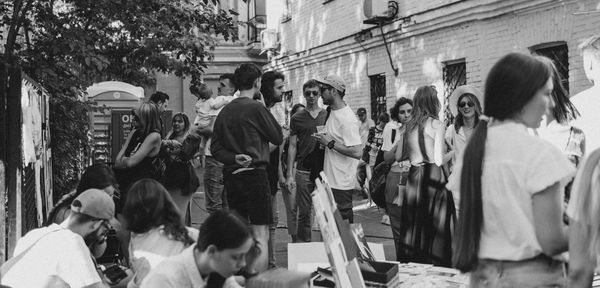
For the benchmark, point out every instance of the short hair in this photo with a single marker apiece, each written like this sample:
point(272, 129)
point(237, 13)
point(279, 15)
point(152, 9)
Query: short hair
point(396, 109)
point(228, 76)
point(592, 45)
point(225, 230)
point(310, 84)
point(267, 84)
point(201, 90)
point(245, 75)
point(295, 108)
point(383, 118)
point(159, 97)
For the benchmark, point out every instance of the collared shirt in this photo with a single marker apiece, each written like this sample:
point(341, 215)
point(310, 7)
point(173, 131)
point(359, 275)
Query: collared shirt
point(180, 271)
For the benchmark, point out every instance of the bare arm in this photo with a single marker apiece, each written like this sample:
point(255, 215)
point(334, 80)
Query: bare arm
point(350, 151)
point(292, 150)
point(581, 263)
point(118, 163)
point(438, 142)
point(150, 144)
point(547, 217)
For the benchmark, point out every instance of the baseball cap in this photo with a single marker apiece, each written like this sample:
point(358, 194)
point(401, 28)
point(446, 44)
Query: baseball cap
point(361, 111)
point(334, 81)
point(95, 203)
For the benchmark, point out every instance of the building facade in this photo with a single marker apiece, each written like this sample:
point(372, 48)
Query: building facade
point(445, 43)
point(228, 55)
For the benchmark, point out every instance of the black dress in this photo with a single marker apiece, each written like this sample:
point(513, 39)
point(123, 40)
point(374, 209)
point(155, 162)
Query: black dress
point(127, 176)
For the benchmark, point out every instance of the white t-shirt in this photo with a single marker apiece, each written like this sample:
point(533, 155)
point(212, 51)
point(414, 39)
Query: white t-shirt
point(388, 132)
point(340, 170)
point(180, 271)
point(61, 253)
point(149, 249)
point(587, 103)
point(515, 167)
point(457, 141)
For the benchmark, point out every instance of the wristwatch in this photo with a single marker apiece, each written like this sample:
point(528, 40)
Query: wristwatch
point(331, 144)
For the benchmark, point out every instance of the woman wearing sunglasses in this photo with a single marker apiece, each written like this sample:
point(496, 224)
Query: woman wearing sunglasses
point(466, 108)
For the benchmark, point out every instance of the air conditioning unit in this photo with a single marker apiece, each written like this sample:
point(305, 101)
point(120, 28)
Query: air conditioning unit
point(269, 39)
point(375, 8)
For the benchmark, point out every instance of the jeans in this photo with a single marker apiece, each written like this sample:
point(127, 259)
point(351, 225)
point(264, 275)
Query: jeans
point(291, 208)
point(540, 271)
point(304, 187)
point(213, 185)
point(272, 230)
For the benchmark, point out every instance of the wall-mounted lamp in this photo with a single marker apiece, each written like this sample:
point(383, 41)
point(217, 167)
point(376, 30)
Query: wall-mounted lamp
point(378, 14)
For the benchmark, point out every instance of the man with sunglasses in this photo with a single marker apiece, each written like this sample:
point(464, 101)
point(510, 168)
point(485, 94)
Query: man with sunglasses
point(58, 253)
point(302, 149)
point(344, 146)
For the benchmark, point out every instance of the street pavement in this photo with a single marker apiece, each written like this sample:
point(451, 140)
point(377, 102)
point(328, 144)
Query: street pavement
point(368, 215)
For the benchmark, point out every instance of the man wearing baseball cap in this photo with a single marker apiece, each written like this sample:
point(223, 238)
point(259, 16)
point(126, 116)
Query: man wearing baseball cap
point(344, 146)
point(58, 253)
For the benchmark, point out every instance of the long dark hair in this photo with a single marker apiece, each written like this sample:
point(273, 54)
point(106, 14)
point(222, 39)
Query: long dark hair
point(459, 121)
point(426, 105)
point(267, 84)
point(97, 176)
point(563, 111)
point(511, 83)
point(149, 205)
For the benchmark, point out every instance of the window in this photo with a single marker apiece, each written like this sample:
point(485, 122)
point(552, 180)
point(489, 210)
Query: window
point(257, 19)
point(455, 74)
point(558, 52)
point(378, 101)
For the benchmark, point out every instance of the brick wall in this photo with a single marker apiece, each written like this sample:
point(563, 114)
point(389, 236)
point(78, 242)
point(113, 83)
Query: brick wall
point(419, 50)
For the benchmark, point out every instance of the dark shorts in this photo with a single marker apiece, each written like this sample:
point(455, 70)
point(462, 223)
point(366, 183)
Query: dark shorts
point(249, 194)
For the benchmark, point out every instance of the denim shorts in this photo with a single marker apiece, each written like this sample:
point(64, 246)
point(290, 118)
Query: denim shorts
point(249, 194)
point(540, 271)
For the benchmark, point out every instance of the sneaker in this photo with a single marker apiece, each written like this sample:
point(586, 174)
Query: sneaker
point(385, 220)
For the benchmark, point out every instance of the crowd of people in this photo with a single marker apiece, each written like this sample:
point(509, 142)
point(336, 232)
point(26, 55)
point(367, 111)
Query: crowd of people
point(502, 190)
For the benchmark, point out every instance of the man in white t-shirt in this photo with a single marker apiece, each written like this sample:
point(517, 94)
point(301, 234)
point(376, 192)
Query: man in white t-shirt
point(344, 146)
point(57, 253)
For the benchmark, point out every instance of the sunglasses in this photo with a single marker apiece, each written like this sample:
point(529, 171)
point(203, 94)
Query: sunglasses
point(314, 93)
point(464, 104)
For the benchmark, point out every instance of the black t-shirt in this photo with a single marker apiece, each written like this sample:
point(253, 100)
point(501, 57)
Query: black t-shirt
point(303, 125)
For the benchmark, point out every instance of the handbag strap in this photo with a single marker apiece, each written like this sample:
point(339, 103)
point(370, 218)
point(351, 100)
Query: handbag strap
point(14, 260)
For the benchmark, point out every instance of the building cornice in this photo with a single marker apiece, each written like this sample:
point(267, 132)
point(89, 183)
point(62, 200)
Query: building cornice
point(418, 24)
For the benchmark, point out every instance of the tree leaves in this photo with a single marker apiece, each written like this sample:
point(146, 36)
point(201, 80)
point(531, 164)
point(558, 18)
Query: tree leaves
point(74, 43)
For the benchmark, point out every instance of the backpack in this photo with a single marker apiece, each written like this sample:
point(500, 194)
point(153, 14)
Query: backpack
point(377, 182)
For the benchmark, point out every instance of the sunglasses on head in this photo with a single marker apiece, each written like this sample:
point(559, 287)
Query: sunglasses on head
point(463, 104)
point(314, 93)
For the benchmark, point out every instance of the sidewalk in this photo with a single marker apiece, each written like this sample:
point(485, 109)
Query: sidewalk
point(368, 216)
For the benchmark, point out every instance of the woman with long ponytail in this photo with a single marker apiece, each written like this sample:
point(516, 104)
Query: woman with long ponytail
point(510, 230)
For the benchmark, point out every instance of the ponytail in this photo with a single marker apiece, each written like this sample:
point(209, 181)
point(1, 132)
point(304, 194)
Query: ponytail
point(470, 220)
